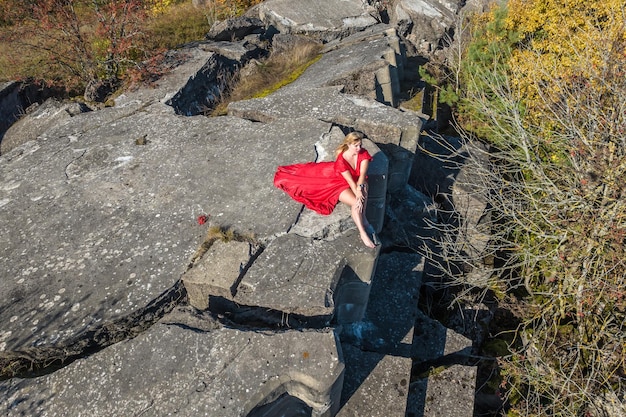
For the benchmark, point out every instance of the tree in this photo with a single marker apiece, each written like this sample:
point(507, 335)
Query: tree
point(73, 42)
point(543, 85)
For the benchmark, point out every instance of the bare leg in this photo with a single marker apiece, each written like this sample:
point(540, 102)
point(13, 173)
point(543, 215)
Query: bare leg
point(367, 226)
point(348, 197)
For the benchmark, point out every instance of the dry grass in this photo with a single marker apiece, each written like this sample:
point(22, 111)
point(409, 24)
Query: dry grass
point(225, 234)
point(181, 24)
point(32, 53)
point(270, 75)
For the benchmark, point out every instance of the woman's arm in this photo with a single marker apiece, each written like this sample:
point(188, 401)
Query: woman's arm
point(358, 190)
point(363, 174)
point(353, 185)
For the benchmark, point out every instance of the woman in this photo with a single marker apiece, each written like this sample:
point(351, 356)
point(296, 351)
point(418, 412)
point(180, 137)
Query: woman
point(320, 185)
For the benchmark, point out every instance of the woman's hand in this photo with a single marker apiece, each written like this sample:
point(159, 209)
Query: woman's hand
point(361, 194)
point(359, 204)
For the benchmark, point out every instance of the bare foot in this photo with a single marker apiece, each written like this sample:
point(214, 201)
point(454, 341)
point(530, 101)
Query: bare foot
point(371, 232)
point(366, 239)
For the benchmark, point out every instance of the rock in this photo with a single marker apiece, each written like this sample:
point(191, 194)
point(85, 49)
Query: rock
point(448, 391)
point(252, 47)
point(102, 247)
point(234, 29)
point(97, 91)
point(470, 202)
point(10, 106)
point(410, 218)
point(217, 273)
point(205, 88)
point(435, 166)
point(424, 23)
point(284, 42)
point(443, 385)
point(378, 384)
point(445, 171)
point(19, 99)
point(38, 120)
point(175, 369)
point(478, 6)
point(210, 82)
point(378, 348)
point(320, 20)
point(313, 282)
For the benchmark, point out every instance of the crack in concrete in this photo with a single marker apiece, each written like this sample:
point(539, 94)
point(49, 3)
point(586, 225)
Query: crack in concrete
point(38, 361)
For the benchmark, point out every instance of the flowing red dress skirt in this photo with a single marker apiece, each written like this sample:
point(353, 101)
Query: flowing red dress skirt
point(317, 185)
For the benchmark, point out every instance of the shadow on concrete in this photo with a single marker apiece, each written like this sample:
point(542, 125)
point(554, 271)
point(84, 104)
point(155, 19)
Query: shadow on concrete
point(377, 350)
point(285, 406)
point(230, 312)
point(17, 396)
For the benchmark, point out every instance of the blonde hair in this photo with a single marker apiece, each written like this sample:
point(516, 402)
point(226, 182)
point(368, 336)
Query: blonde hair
point(350, 139)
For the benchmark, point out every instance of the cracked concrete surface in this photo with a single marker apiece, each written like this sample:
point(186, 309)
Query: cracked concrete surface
point(99, 229)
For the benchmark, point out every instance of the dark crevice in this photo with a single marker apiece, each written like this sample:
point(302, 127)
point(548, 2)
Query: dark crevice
point(262, 318)
point(244, 270)
point(422, 369)
point(38, 361)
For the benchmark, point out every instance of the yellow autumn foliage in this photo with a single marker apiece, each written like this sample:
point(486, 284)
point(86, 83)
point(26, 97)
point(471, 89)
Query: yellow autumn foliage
point(160, 6)
point(230, 8)
point(544, 83)
point(565, 40)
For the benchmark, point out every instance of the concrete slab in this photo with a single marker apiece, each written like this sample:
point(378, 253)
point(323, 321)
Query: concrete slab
point(444, 385)
point(217, 272)
point(377, 350)
point(367, 66)
point(323, 19)
point(446, 392)
point(432, 340)
point(326, 280)
point(395, 132)
point(347, 59)
point(184, 63)
point(380, 123)
point(376, 385)
point(94, 226)
point(99, 215)
point(229, 374)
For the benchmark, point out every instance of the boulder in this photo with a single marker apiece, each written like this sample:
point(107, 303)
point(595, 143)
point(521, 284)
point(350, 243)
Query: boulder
point(424, 23)
point(322, 20)
point(234, 29)
point(38, 120)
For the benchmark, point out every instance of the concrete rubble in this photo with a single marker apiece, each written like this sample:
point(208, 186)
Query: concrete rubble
point(110, 278)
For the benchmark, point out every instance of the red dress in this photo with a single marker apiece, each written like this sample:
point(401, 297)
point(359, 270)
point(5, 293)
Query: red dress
point(317, 185)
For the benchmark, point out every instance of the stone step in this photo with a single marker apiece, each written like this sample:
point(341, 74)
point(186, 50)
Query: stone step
point(442, 385)
point(377, 350)
point(443, 392)
point(375, 384)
